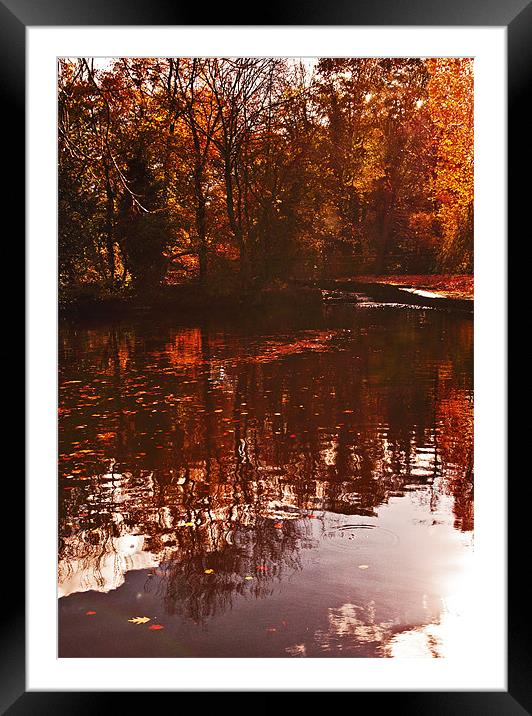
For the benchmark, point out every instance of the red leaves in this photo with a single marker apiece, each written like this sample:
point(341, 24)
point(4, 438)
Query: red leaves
point(156, 627)
point(89, 614)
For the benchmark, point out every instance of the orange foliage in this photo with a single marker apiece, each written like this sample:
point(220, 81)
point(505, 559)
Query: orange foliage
point(451, 105)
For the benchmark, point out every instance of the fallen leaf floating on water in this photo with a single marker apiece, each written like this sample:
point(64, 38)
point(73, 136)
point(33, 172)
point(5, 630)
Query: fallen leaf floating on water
point(363, 566)
point(139, 620)
point(155, 627)
point(248, 577)
point(278, 525)
point(89, 614)
point(189, 524)
point(209, 571)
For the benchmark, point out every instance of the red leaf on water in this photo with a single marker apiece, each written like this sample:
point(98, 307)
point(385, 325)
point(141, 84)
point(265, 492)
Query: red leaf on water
point(90, 613)
point(293, 437)
point(278, 525)
point(156, 627)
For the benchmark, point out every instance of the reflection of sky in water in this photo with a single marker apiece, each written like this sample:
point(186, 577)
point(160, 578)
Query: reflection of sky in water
point(324, 476)
point(441, 610)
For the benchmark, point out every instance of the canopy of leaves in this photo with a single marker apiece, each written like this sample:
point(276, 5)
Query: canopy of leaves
point(243, 171)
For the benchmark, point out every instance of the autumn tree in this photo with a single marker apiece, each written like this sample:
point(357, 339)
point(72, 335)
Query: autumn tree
point(262, 168)
point(243, 91)
point(144, 225)
point(86, 189)
point(191, 107)
point(451, 103)
point(377, 152)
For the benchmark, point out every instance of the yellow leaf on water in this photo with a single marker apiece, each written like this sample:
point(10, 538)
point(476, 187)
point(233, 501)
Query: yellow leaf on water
point(209, 571)
point(139, 620)
point(248, 578)
point(363, 566)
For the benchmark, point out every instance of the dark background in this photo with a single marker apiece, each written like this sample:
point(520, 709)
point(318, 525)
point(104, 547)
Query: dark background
point(15, 15)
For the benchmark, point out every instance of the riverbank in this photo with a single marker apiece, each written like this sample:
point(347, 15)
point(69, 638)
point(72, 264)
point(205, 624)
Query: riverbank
point(438, 291)
point(190, 300)
point(435, 291)
point(441, 285)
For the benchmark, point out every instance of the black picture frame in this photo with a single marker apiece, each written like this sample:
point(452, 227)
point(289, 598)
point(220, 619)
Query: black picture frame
point(516, 17)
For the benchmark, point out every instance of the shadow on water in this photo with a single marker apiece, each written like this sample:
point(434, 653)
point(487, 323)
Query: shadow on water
point(264, 488)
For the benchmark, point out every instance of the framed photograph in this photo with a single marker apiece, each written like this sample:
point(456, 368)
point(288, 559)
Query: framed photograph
point(253, 460)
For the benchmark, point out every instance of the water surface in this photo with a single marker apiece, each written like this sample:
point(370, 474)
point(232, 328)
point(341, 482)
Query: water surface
point(265, 487)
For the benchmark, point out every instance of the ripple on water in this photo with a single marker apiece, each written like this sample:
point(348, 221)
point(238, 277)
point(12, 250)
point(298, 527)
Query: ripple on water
point(359, 536)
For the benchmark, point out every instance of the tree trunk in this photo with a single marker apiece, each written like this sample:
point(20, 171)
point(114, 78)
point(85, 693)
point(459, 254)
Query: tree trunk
point(236, 228)
point(386, 210)
point(109, 221)
point(200, 222)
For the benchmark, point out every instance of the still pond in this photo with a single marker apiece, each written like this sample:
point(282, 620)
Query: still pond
point(266, 487)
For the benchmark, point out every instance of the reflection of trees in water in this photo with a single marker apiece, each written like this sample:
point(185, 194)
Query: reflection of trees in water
point(100, 541)
point(85, 553)
point(232, 539)
point(263, 552)
point(226, 431)
point(455, 414)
